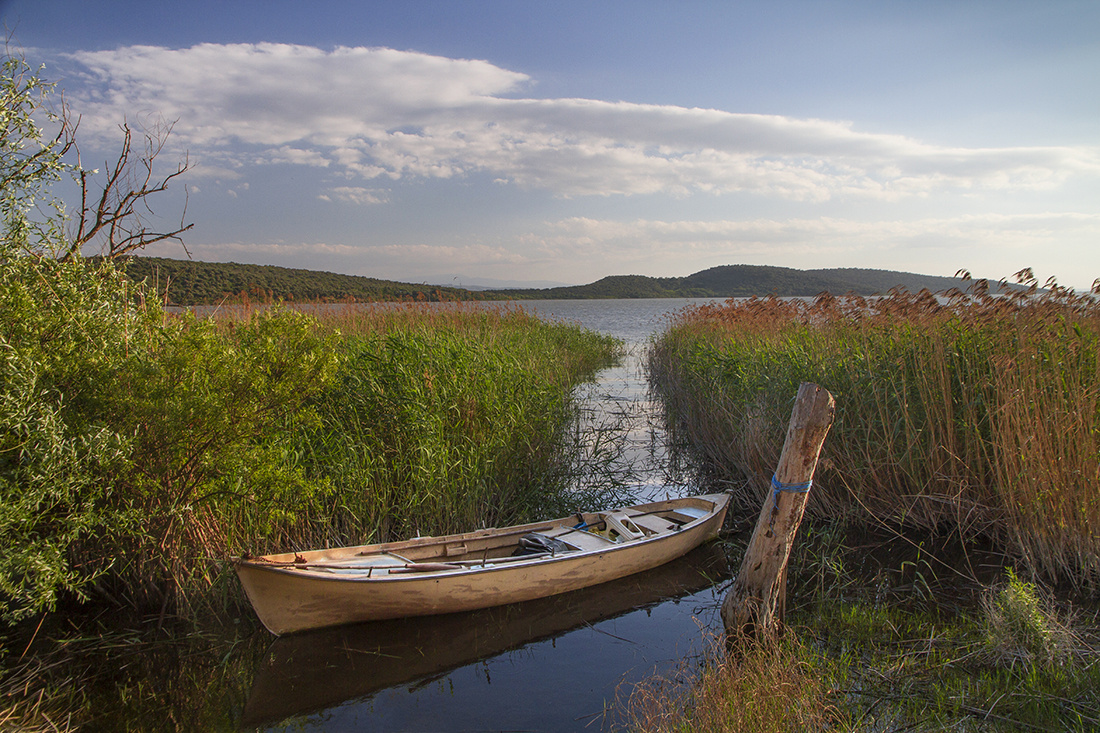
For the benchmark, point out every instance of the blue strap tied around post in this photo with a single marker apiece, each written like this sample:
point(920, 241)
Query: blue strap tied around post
point(795, 488)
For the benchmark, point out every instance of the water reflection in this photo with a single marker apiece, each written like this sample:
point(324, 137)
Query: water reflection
point(332, 675)
point(618, 407)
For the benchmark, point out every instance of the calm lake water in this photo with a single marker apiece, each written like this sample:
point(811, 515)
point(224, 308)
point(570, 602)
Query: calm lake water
point(558, 664)
point(619, 401)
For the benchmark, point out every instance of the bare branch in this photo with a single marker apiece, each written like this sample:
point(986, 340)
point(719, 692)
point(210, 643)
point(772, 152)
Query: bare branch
point(117, 214)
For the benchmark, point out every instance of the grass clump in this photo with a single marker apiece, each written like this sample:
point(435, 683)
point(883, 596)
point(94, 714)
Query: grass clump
point(1022, 625)
point(454, 420)
point(970, 412)
point(771, 687)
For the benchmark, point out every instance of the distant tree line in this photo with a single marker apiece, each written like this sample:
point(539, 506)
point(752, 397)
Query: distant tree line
point(190, 282)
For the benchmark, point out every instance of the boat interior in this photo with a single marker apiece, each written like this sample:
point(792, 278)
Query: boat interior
point(584, 532)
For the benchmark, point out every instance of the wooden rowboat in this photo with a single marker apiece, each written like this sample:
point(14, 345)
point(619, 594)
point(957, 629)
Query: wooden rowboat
point(362, 659)
point(491, 567)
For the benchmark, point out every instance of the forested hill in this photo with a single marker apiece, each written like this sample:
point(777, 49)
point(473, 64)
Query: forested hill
point(732, 281)
point(189, 282)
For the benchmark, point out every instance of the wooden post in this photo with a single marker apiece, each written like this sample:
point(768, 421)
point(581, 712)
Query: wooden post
point(755, 603)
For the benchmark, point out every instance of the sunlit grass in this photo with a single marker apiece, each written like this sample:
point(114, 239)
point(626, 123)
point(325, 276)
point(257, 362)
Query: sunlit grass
point(441, 418)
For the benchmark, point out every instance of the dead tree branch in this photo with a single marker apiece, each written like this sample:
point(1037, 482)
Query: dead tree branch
point(118, 214)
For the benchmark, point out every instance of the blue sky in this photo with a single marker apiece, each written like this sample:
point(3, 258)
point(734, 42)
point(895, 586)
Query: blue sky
point(561, 142)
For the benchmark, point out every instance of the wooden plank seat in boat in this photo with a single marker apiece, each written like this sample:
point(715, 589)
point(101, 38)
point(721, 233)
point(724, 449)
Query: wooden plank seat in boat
point(580, 538)
point(655, 524)
point(364, 565)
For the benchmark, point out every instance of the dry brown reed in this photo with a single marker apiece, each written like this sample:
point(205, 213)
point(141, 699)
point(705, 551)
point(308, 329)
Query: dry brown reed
point(766, 688)
point(353, 317)
point(967, 412)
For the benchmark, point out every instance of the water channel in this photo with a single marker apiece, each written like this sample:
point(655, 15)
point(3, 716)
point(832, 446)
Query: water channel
point(557, 664)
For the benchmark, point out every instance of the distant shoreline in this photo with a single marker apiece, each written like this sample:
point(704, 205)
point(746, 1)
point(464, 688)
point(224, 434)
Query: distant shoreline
point(191, 282)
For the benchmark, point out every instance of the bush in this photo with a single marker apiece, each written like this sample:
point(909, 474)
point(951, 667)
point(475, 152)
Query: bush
point(117, 426)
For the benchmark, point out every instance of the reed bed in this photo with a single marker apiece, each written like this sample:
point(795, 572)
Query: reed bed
point(439, 418)
point(274, 430)
point(961, 413)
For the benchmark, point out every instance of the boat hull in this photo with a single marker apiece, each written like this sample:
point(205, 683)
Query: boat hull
point(288, 600)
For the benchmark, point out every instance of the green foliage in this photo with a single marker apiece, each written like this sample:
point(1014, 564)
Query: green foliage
point(116, 428)
point(31, 216)
point(211, 415)
point(63, 342)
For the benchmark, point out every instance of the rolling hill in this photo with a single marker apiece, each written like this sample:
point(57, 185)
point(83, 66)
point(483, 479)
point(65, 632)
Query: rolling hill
point(189, 282)
point(731, 281)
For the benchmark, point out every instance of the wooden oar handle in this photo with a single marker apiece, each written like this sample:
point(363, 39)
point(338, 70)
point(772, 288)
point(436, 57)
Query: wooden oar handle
point(425, 567)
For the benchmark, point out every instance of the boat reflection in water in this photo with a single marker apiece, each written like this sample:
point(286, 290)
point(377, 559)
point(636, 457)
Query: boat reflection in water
point(310, 672)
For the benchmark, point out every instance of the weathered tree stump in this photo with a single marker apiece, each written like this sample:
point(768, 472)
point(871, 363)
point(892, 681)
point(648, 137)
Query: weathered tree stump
point(755, 603)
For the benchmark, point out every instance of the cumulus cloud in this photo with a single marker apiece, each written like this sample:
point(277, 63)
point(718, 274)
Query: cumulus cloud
point(381, 114)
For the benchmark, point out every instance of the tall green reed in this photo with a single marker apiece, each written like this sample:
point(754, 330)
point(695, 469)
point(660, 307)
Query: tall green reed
point(439, 419)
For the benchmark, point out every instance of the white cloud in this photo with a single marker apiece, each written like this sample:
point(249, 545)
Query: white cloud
point(382, 114)
point(356, 195)
point(939, 245)
point(589, 231)
point(293, 156)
